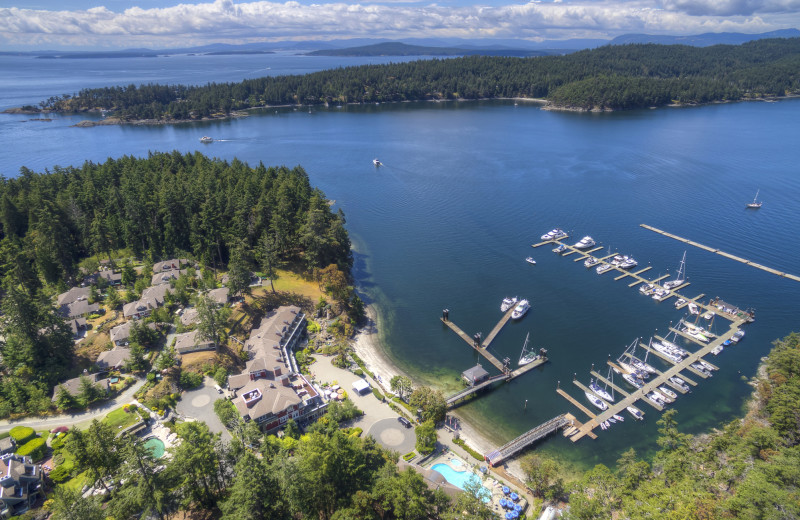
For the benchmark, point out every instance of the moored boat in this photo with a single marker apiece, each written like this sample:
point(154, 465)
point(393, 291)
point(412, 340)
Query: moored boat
point(660, 293)
point(584, 243)
point(560, 248)
point(508, 303)
point(716, 350)
point(555, 234)
point(628, 262)
point(596, 401)
point(603, 268)
point(681, 276)
point(530, 260)
point(521, 309)
point(647, 289)
point(589, 262)
point(618, 417)
point(635, 413)
point(665, 398)
point(602, 392)
point(693, 308)
point(738, 335)
point(526, 356)
point(680, 383)
point(632, 380)
point(679, 302)
point(666, 391)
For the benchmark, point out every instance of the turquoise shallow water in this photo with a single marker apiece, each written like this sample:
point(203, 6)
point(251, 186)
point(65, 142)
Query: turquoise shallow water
point(466, 188)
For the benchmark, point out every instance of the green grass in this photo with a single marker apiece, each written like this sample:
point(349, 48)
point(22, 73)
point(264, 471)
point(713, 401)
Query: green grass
point(118, 419)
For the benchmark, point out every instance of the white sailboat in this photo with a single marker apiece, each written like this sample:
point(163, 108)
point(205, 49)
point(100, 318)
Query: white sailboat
point(754, 204)
point(680, 278)
point(526, 356)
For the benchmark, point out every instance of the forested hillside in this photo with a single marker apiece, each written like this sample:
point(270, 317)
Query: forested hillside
point(610, 77)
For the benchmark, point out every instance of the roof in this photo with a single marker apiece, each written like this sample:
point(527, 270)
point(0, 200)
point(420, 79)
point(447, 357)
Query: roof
point(190, 316)
point(113, 358)
point(6, 444)
point(476, 372)
point(79, 308)
point(121, 332)
point(190, 341)
point(360, 385)
point(274, 398)
point(73, 295)
point(152, 297)
point(73, 386)
point(219, 295)
point(111, 276)
point(167, 265)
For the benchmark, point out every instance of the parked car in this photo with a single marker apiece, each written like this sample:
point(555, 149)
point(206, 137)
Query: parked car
point(405, 422)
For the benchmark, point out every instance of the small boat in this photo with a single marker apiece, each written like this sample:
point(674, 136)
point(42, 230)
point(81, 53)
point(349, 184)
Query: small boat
point(680, 383)
point(521, 309)
point(530, 260)
point(618, 418)
point(693, 308)
point(526, 356)
point(632, 380)
point(738, 335)
point(628, 262)
point(612, 420)
point(602, 426)
point(206, 139)
point(617, 260)
point(680, 278)
point(589, 262)
point(727, 343)
point(754, 204)
point(716, 350)
point(708, 366)
point(666, 391)
point(508, 303)
point(555, 234)
point(660, 293)
point(647, 289)
point(584, 243)
point(680, 302)
point(376, 162)
point(608, 425)
point(603, 268)
point(602, 392)
point(708, 315)
point(596, 401)
point(635, 413)
point(655, 399)
point(560, 249)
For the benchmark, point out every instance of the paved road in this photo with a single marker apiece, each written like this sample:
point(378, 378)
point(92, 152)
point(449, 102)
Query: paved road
point(198, 404)
point(75, 419)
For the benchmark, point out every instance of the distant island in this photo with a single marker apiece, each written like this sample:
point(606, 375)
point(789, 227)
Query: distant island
point(613, 77)
point(404, 49)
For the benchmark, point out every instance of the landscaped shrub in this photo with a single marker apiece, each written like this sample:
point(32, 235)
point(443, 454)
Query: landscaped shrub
point(35, 448)
point(475, 454)
point(190, 380)
point(408, 456)
point(377, 393)
point(358, 372)
point(22, 434)
point(58, 441)
point(61, 473)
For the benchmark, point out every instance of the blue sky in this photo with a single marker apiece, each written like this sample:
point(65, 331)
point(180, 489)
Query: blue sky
point(97, 24)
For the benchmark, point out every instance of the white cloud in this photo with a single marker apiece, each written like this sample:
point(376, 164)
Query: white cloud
point(224, 20)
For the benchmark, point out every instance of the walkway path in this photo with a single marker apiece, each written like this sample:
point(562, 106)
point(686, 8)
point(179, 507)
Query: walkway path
point(74, 419)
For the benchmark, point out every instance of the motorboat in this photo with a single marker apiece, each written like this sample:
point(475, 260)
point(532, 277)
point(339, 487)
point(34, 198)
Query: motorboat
point(680, 279)
point(508, 303)
point(647, 289)
point(663, 396)
point(612, 420)
point(560, 248)
point(632, 380)
point(206, 139)
point(666, 391)
point(667, 352)
point(584, 243)
point(596, 401)
point(618, 417)
point(617, 260)
point(602, 392)
point(716, 350)
point(709, 315)
point(603, 268)
point(530, 260)
point(521, 309)
point(602, 426)
point(628, 262)
point(738, 335)
point(693, 308)
point(754, 204)
point(679, 302)
point(696, 334)
point(555, 234)
point(376, 162)
point(707, 365)
point(660, 293)
point(727, 343)
point(700, 368)
point(641, 365)
point(591, 261)
point(526, 356)
point(655, 399)
point(635, 413)
point(680, 383)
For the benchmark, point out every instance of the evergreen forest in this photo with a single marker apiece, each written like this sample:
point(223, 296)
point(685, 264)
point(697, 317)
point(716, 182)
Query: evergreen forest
point(607, 78)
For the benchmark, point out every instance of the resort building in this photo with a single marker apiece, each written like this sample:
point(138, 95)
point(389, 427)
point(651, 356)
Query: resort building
point(20, 484)
point(270, 391)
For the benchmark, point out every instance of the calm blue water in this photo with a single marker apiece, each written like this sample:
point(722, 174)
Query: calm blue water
point(468, 187)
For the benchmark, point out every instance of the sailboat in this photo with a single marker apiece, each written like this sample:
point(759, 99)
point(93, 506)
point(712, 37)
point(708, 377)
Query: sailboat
point(526, 356)
point(680, 278)
point(754, 204)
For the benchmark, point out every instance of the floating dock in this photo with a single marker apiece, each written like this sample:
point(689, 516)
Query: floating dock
point(723, 253)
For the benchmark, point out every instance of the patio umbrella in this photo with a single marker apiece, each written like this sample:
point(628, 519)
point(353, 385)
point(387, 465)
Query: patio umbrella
point(514, 497)
point(505, 490)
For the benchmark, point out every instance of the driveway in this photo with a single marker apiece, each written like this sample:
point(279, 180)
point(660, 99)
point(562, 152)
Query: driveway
point(198, 404)
point(79, 419)
point(393, 436)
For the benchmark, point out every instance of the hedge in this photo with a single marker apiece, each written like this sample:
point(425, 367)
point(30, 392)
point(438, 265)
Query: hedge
point(408, 456)
point(377, 393)
point(22, 434)
point(35, 448)
point(469, 450)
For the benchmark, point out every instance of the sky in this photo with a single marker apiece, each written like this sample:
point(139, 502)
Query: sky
point(155, 24)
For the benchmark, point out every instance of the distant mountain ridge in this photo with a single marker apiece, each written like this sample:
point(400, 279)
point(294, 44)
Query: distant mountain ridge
point(404, 49)
point(705, 39)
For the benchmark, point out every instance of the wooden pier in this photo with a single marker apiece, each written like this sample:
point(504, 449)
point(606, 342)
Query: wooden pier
point(482, 347)
point(467, 392)
point(526, 439)
point(723, 253)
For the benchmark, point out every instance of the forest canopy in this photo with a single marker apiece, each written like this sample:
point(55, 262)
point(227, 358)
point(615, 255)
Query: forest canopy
point(609, 77)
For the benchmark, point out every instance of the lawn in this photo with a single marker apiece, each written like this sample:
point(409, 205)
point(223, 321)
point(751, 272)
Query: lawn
point(288, 281)
point(118, 419)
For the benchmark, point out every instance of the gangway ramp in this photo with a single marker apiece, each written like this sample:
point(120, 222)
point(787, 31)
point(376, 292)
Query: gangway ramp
point(453, 399)
point(526, 439)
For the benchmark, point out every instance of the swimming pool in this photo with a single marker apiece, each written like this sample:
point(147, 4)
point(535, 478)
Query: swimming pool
point(460, 478)
point(156, 446)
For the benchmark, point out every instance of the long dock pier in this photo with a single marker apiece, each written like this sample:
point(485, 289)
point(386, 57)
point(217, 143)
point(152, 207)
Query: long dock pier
point(723, 253)
point(463, 394)
point(526, 439)
point(483, 347)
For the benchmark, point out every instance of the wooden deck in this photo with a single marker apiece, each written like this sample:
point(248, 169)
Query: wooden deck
point(723, 253)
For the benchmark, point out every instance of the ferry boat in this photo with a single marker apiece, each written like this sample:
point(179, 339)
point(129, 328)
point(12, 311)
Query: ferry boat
point(680, 278)
point(376, 162)
point(738, 335)
point(603, 268)
point(521, 309)
point(602, 392)
point(530, 260)
point(584, 243)
point(206, 139)
point(560, 249)
point(635, 413)
point(599, 403)
point(508, 303)
point(589, 262)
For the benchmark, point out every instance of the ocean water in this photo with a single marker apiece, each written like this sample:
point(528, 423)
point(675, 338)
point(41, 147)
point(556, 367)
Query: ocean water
point(467, 187)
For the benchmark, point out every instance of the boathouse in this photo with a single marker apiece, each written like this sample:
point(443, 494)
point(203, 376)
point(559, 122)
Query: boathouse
point(475, 375)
